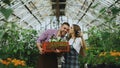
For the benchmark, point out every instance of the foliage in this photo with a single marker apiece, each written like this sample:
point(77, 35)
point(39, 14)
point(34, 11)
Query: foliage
point(6, 12)
point(7, 1)
point(112, 57)
point(103, 40)
point(91, 55)
point(107, 31)
point(15, 41)
point(18, 43)
point(100, 38)
point(115, 10)
point(56, 39)
point(96, 56)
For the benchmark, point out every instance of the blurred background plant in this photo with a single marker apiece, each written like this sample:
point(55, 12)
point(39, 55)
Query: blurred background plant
point(103, 40)
point(111, 57)
point(15, 41)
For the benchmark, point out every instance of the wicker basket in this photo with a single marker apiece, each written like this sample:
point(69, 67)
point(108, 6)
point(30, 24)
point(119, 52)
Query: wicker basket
point(52, 46)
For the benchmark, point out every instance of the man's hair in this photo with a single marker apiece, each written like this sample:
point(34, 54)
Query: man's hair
point(66, 23)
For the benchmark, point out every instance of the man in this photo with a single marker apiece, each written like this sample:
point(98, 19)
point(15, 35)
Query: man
point(49, 60)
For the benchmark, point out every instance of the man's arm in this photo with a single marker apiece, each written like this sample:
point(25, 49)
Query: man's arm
point(39, 46)
point(42, 38)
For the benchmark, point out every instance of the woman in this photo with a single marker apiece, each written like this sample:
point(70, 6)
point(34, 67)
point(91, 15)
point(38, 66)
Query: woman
point(77, 44)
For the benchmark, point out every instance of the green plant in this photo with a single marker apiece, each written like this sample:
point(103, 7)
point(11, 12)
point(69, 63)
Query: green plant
point(96, 56)
point(18, 43)
point(15, 41)
point(111, 57)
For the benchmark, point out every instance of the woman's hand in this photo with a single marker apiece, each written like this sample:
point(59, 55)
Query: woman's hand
point(57, 51)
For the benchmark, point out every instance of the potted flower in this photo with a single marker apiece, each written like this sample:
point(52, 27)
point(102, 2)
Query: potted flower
point(55, 43)
point(111, 59)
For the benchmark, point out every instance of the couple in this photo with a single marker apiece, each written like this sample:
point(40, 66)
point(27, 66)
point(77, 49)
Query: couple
point(76, 42)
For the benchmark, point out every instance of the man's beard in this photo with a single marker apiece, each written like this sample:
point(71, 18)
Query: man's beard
point(62, 33)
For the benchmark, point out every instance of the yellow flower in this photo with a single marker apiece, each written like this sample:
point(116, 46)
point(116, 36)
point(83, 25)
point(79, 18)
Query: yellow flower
point(102, 54)
point(5, 62)
point(13, 61)
point(0, 60)
point(23, 64)
point(119, 54)
point(9, 59)
point(115, 53)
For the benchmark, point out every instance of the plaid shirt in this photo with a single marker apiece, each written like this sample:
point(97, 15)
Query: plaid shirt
point(71, 59)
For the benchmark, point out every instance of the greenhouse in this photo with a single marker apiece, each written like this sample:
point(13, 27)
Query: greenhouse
point(45, 33)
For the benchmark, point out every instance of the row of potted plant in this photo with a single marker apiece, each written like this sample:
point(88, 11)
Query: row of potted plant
point(95, 57)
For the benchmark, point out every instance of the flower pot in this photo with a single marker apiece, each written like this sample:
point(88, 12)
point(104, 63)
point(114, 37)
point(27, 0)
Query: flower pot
point(112, 66)
point(117, 66)
point(96, 66)
point(52, 46)
point(100, 66)
point(89, 66)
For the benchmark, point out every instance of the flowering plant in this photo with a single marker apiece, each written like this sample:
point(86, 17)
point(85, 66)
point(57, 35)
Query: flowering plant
point(12, 63)
point(97, 56)
point(56, 43)
point(56, 39)
point(111, 57)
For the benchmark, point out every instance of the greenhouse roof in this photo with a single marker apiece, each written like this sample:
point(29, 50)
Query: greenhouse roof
point(43, 14)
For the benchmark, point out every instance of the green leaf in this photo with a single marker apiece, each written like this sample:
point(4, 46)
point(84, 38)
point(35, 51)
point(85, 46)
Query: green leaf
point(2, 32)
point(28, 52)
point(10, 66)
point(14, 50)
point(6, 12)
point(94, 6)
point(115, 10)
point(102, 10)
point(6, 1)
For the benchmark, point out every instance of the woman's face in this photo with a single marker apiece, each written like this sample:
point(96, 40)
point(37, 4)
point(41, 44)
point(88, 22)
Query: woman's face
point(71, 31)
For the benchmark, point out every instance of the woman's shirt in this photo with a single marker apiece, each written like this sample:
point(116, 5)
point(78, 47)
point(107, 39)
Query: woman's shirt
point(76, 43)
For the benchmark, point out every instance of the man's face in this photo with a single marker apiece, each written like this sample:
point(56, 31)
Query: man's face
point(64, 29)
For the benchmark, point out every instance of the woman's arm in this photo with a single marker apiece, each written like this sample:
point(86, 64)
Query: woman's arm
point(83, 46)
point(82, 41)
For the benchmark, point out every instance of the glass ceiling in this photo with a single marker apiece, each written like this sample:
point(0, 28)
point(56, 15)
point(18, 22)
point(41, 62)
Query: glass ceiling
point(45, 14)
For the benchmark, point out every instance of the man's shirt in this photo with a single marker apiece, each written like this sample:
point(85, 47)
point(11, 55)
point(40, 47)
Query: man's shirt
point(45, 36)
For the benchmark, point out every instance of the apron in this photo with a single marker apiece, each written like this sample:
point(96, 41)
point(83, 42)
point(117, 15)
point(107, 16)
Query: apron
point(71, 59)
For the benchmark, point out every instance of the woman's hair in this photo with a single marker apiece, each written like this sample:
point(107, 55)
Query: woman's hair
point(77, 30)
